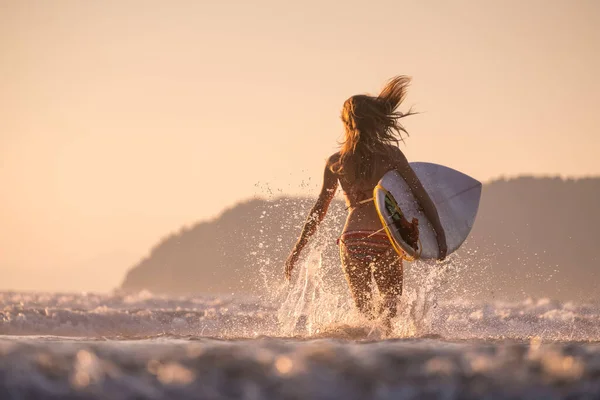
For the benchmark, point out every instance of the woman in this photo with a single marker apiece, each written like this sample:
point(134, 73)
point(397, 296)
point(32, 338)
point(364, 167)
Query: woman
point(372, 134)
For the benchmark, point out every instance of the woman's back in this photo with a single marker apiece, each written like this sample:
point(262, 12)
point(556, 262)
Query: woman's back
point(362, 214)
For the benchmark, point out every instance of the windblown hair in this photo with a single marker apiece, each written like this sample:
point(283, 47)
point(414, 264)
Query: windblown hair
point(372, 124)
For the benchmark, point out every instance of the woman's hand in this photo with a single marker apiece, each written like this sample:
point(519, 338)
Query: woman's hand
point(425, 202)
point(289, 264)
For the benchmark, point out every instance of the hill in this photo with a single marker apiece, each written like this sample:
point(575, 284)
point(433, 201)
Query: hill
point(534, 237)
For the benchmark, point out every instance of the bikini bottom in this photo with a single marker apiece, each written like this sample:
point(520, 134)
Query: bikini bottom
point(365, 244)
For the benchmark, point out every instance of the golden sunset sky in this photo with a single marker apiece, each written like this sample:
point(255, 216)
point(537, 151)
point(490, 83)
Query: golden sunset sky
point(122, 121)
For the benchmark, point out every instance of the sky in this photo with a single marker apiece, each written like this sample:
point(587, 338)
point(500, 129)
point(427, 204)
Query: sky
point(123, 121)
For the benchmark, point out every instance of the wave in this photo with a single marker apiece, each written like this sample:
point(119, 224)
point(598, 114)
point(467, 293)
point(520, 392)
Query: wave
point(323, 315)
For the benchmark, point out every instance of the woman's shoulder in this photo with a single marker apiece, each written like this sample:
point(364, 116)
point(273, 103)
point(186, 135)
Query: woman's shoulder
point(333, 159)
point(395, 152)
point(393, 148)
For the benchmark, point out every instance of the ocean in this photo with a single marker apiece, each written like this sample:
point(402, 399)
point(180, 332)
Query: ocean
point(297, 341)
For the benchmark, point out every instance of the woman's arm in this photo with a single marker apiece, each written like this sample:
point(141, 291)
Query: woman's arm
point(316, 215)
point(404, 168)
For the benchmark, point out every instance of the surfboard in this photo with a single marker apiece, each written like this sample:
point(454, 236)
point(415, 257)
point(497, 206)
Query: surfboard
point(455, 195)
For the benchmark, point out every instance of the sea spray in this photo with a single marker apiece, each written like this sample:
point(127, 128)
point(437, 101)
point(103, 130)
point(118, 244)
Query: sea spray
point(318, 297)
point(311, 307)
point(311, 304)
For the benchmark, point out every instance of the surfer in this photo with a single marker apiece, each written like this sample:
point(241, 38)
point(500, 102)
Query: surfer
point(369, 150)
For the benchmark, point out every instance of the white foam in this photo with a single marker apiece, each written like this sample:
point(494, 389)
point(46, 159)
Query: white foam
point(143, 345)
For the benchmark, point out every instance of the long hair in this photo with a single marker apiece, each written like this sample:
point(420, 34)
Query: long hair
point(372, 124)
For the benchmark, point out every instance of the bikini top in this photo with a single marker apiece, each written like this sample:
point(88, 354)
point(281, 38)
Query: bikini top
point(358, 198)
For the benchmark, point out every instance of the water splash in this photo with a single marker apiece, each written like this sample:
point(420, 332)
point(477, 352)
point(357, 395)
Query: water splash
point(310, 305)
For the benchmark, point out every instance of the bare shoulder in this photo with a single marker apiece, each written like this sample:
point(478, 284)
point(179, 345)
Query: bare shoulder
point(394, 149)
point(333, 159)
point(397, 153)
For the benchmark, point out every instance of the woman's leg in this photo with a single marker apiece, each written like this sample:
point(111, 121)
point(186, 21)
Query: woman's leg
point(388, 274)
point(358, 275)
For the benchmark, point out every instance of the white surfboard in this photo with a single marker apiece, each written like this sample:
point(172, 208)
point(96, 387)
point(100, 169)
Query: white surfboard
point(455, 195)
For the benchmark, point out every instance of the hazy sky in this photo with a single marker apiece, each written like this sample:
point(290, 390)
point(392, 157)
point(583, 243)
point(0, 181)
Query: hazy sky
point(121, 121)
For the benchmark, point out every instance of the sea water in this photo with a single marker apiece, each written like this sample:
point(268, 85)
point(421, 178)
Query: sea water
point(301, 340)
